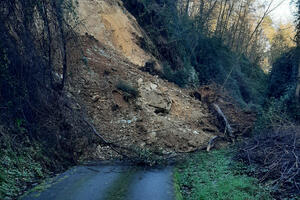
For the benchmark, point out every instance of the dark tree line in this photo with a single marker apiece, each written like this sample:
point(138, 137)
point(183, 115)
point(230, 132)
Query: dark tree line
point(33, 50)
point(201, 41)
point(34, 45)
point(297, 94)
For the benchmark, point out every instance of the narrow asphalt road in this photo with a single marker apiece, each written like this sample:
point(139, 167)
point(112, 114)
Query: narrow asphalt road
point(107, 182)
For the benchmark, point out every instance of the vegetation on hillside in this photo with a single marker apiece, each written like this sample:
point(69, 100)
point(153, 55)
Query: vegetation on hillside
point(38, 132)
point(208, 41)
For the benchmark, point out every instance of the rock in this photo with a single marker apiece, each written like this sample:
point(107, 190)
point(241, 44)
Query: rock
point(129, 121)
point(140, 81)
point(151, 138)
point(196, 132)
point(76, 106)
point(143, 144)
point(95, 98)
point(153, 86)
point(123, 121)
point(158, 101)
point(152, 134)
point(165, 152)
point(193, 143)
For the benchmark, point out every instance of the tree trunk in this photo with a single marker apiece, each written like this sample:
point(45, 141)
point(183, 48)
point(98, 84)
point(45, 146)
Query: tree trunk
point(297, 94)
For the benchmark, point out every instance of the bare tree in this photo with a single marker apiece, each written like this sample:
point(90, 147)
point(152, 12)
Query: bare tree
point(297, 93)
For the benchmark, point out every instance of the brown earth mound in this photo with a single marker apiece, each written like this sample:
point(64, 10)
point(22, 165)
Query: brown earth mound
point(241, 120)
point(131, 108)
point(161, 116)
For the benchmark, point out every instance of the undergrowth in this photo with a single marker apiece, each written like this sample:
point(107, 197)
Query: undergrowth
point(273, 159)
point(128, 90)
point(215, 175)
point(19, 170)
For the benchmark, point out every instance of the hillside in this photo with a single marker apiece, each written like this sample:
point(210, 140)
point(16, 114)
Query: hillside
point(110, 23)
point(101, 80)
point(162, 117)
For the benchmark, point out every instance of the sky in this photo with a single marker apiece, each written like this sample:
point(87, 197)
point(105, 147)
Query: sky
point(283, 13)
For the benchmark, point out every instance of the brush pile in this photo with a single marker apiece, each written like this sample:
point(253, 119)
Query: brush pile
point(275, 157)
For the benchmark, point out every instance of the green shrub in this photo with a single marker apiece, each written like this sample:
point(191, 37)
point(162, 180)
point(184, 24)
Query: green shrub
point(283, 75)
point(128, 89)
point(281, 106)
point(277, 113)
point(184, 77)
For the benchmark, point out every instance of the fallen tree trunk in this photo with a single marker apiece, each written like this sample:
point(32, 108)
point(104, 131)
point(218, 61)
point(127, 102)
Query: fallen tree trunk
point(228, 132)
point(113, 146)
point(138, 158)
point(228, 128)
point(211, 143)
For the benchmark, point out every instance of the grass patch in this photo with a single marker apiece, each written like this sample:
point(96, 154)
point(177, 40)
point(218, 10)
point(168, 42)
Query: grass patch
point(215, 176)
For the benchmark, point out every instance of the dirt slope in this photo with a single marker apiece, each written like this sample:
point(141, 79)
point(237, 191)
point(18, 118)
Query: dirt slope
point(108, 21)
point(163, 117)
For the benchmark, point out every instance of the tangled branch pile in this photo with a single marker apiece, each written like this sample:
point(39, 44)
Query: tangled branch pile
point(275, 156)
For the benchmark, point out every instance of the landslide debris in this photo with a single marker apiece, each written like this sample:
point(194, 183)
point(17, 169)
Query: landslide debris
point(127, 105)
point(109, 22)
point(160, 116)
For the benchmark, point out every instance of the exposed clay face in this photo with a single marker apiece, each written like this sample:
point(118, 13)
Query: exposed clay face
point(108, 21)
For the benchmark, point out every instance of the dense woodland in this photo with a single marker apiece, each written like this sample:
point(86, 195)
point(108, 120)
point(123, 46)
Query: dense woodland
point(231, 43)
point(225, 42)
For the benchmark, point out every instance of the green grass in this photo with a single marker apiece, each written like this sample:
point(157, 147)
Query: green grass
point(215, 176)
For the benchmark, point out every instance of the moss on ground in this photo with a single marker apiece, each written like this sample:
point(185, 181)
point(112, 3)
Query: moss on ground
point(216, 176)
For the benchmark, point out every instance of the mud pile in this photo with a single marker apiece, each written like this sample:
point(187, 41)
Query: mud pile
point(128, 106)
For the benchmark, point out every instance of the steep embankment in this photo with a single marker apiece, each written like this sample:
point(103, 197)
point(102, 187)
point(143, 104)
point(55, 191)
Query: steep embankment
point(110, 23)
point(130, 107)
point(40, 133)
